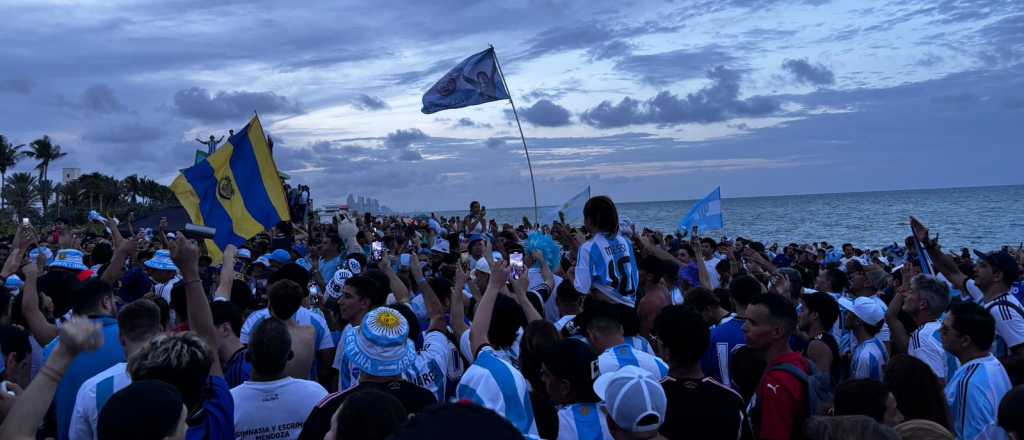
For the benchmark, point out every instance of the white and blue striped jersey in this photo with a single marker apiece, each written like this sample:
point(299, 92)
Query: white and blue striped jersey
point(640, 343)
point(430, 368)
point(624, 354)
point(303, 316)
point(493, 383)
point(868, 360)
point(1008, 313)
point(974, 394)
point(839, 332)
point(608, 265)
point(582, 421)
point(91, 397)
point(926, 344)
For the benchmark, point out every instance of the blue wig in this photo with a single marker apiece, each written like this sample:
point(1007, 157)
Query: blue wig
point(538, 241)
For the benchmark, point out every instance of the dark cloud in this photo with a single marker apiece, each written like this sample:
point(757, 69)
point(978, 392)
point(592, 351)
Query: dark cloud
point(600, 40)
point(22, 86)
point(469, 123)
point(404, 138)
point(665, 68)
point(410, 156)
point(610, 50)
point(432, 73)
point(197, 103)
point(369, 103)
point(546, 114)
point(127, 133)
point(100, 98)
point(806, 73)
point(494, 143)
point(716, 102)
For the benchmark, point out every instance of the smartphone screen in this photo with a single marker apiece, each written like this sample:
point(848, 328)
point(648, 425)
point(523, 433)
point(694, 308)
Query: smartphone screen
point(516, 265)
point(404, 260)
point(377, 250)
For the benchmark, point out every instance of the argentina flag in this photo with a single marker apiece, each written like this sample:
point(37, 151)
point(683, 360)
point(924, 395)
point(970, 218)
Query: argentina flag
point(475, 80)
point(706, 214)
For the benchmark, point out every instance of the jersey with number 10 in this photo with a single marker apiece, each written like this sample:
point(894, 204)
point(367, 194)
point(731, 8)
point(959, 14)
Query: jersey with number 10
point(607, 263)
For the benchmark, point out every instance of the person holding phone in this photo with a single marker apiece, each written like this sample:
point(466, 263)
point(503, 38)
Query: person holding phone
point(606, 265)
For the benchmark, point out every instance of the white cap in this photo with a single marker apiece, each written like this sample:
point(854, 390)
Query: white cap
point(633, 398)
point(244, 253)
point(482, 266)
point(441, 245)
point(866, 309)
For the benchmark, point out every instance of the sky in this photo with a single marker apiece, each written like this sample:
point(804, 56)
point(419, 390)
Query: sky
point(641, 100)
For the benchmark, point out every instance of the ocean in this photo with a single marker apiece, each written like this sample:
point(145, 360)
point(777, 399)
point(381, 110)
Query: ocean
point(984, 218)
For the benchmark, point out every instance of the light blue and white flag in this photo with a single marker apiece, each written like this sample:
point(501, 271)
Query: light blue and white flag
point(572, 208)
point(706, 214)
point(475, 80)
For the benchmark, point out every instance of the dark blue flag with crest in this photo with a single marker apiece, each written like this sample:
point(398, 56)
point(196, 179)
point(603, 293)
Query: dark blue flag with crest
point(475, 80)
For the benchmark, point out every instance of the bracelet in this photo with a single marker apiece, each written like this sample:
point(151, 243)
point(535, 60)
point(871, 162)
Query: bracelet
point(51, 373)
point(187, 282)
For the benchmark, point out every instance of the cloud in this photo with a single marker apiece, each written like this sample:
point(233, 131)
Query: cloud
point(22, 86)
point(404, 138)
point(494, 143)
point(716, 102)
point(546, 114)
point(410, 156)
point(132, 132)
point(806, 73)
point(600, 40)
point(100, 98)
point(432, 73)
point(369, 103)
point(665, 68)
point(197, 103)
point(469, 123)
point(610, 50)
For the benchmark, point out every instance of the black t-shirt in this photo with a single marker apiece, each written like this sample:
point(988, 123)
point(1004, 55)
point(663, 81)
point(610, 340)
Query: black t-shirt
point(412, 396)
point(833, 346)
point(703, 409)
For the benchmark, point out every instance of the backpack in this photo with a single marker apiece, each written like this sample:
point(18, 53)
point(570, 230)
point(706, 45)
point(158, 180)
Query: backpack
point(818, 386)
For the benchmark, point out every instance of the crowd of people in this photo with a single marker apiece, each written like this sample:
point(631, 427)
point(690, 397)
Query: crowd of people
point(429, 328)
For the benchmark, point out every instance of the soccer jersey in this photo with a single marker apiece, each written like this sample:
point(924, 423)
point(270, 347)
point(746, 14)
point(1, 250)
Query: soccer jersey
point(640, 343)
point(622, 355)
point(237, 369)
point(218, 413)
point(973, 395)
point(607, 264)
point(725, 337)
point(582, 421)
point(926, 344)
point(303, 316)
point(275, 409)
point(1009, 316)
point(701, 409)
point(868, 360)
point(93, 394)
point(493, 383)
point(430, 368)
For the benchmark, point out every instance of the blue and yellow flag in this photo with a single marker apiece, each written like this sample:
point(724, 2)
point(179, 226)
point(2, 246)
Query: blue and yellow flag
point(235, 190)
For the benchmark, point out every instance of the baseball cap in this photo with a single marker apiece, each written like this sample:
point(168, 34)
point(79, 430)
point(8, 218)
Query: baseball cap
point(482, 266)
point(866, 309)
point(441, 245)
point(633, 398)
point(1001, 261)
point(280, 256)
point(380, 346)
point(244, 254)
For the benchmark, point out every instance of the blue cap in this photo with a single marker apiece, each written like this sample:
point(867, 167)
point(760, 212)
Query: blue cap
point(280, 256)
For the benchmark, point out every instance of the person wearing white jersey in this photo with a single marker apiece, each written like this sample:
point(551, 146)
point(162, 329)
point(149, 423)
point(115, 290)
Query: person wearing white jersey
point(925, 301)
point(567, 376)
point(433, 355)
point(138, 322)
point(272, 404)
point(605, 264)
point(976, 389)
point(493, 382)
point(865, 321)
point(994, 274)
point(602, 324)
point(359, 295)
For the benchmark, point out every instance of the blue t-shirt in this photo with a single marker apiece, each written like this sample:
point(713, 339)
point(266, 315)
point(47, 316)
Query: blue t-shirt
point(237, 369)
point(219, 409)
point(328, 267)
point(84, 366)
point(725, 337)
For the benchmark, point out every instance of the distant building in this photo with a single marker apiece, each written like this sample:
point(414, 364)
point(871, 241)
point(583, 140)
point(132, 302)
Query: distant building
point(69, 174)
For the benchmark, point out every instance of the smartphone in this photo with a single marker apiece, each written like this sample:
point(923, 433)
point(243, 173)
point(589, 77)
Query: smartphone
point(377, 250)
point(24, 221)
point(404, 261)
point(516, 266)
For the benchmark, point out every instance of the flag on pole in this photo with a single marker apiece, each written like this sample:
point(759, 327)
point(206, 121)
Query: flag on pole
point(475, 80)
point(922, 254)
point(706, 214)
point(572, 208)
point(236, 190)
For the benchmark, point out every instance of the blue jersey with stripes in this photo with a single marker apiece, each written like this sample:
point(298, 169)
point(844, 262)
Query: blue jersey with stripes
point(868, 360)
point(493, 383)
point(926, 344)
point(973, 395)
point(725, 337)
point(624, 354)
point(582, 421)
point(640, 343)
point(608, 265)
point(91, 397)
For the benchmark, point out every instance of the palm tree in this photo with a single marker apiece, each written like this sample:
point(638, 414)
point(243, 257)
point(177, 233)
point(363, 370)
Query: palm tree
point(22, 191)
point(9, 156)
point(44, 151)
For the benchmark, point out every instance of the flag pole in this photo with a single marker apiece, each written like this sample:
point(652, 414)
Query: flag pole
point(536, 216)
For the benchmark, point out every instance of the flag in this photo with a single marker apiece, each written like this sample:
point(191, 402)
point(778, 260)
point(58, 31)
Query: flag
point(201, 156)
point(706, 214)
point(236, 190)
point(475, 80)
point(922, 253)
point(572, 208)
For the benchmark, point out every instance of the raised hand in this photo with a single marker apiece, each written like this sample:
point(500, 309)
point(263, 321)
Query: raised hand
point(185, 254)
point(499, 275)
point(80, 335)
